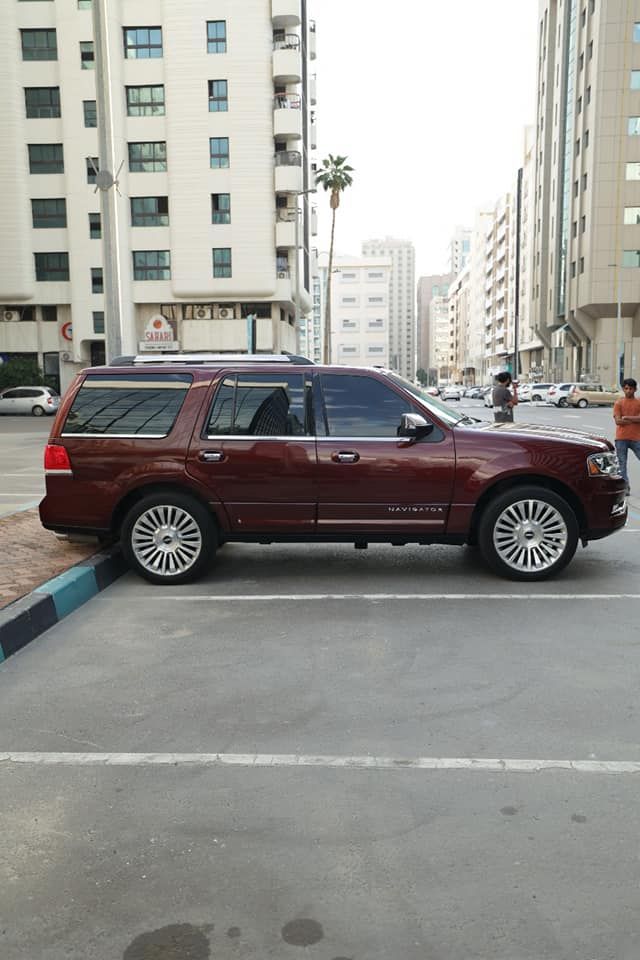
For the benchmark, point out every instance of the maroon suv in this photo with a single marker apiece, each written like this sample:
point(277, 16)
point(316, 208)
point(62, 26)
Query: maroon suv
point(175, 456)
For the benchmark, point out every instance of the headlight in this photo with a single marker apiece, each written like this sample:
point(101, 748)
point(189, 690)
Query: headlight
point(603, 465)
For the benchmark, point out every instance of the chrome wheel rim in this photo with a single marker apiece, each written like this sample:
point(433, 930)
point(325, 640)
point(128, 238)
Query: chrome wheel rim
point(530, 535)
point(166, 540)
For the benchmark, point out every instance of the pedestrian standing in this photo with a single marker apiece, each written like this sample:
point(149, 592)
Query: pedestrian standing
point(626, 413)
point(504, 399)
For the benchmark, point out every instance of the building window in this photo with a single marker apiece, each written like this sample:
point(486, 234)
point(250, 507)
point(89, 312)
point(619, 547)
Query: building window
point(581, 62)
point(142, 43)
point(588, 95)
point(576, 188)
point(579, 105)
point(49, 313)
point(219, 152)
point(585, 139)
point(84, 4)
point(574, 228)
point(584, 182)
point(578, 147)
point(97, 283)
point(48, 158)
point(590, 50)
point(632, 216)
point(98, 321)
point(581, 264)
point(573, 269)
point(631, 258)
point(149, 211)
point(376, 324)
point(222, 262)
point(633, 128)
point(87, 57)
point(583, 224)
point(49, 213)
point(39, 45)
point(375, 299)
point(216, 36)
point(42, 101)
point(52, 266)
point(145, 101)
point(95, 226)
point(220, 208)
point(635, 79)
point(93, 165)
point(636, 33)
point(90, 114)
point(632, 171)
point(151, 265)
point(218, 96)
point(148, 157)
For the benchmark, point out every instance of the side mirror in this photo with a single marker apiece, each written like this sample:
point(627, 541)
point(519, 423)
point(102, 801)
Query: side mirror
point(414, 427)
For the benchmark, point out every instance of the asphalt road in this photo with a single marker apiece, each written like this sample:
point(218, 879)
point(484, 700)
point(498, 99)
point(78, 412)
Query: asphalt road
point(332, 754)
point(22, 443)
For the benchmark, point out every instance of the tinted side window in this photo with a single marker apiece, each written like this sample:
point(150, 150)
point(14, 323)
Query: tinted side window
point(259, 404)
point(11, 394)
point(128, 404)
point(361, 406)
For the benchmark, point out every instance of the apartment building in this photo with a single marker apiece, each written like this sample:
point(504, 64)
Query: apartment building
point(498, 294)
point(360, 310)
point(402, 301)
point(432, 293)
point(586, 271)
point(212, 109)
point(459, 250)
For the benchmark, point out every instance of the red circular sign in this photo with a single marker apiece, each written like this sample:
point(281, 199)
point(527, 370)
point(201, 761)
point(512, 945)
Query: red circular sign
point(67, 330)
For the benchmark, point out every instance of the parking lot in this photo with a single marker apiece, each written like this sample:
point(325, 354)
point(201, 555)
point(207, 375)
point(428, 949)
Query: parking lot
point(335, 754)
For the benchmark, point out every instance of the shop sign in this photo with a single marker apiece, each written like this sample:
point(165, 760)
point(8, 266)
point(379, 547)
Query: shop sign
point(159, 334)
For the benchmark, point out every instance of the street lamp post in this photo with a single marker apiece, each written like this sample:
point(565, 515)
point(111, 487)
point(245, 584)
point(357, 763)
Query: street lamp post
point(618, 347)
point(297, 311)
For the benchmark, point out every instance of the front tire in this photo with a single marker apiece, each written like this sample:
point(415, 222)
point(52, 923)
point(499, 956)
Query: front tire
point(528, 533)
point(169, 538)
point(563, 402)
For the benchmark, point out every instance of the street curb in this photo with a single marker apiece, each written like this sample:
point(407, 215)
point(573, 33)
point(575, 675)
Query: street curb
point(25, 619)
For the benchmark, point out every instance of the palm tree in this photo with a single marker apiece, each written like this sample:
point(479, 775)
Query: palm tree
point(335, 176)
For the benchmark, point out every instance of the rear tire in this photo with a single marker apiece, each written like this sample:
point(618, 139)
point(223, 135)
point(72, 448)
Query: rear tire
point(169, 538)
point(37, 411)
point(582, 403)
point(528, 533)
point(563, 402)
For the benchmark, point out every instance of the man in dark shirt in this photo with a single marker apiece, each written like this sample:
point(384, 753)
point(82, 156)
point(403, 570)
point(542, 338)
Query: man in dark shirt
point(504, 399)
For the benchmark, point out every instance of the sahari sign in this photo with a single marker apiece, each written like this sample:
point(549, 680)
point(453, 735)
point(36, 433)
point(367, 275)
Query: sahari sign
point(159, 334)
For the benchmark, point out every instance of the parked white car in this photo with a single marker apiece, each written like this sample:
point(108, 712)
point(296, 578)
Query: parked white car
point(559, 392)
point(535, 392)
point(452, 393)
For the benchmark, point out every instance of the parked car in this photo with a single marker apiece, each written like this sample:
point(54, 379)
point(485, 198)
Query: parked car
point(475, 393)
point(593, 395)
point(37, 401)
point(558, 393)
point(488, 397)
point(535, 392)
point(433, 391)
point(453, 392)
point(174, 456)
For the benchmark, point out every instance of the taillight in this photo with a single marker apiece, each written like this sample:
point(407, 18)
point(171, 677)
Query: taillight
point(56, 459)
point(50, 400)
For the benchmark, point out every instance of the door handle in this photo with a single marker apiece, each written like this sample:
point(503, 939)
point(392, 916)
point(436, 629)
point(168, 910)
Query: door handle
point(212, 456)
point(345, 456)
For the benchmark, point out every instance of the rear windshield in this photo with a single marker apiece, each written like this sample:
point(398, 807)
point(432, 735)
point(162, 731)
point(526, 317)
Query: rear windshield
point(127, 404)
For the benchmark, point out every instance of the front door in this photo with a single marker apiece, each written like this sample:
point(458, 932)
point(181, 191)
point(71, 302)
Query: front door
point(257, 454)
point(369, 479)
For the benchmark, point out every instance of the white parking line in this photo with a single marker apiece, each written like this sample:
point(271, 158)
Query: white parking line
point(245, 597)
point(311, 760)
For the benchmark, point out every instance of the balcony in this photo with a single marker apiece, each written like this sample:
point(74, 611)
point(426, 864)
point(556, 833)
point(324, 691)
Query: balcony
point(312, 90)
point(314, 222)
point(285, 228)
point(287, 116)
point(285, 13)
point(288, 172)
point(287, 59)
point(500, 333)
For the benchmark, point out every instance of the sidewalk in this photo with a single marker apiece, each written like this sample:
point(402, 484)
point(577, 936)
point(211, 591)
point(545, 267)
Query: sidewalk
point(31, 555)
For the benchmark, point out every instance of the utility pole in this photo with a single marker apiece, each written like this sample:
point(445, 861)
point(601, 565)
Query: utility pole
point(297, 311)
point(516, 302)
point(107, 184)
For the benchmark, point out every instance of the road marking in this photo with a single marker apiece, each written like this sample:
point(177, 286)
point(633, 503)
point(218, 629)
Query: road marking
point(311, 760)
point(243, 598)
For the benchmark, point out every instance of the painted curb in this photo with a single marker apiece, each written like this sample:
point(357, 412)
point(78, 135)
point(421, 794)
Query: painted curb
point(25, 619)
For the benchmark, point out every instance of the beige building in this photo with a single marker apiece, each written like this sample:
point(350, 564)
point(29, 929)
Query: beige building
point(432, 291)
point(586, 266)
point(360, 306)
point(402, 301)
point(213, 120)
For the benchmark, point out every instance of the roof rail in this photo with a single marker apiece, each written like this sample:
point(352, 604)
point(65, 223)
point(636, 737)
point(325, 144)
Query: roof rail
point(204, 358)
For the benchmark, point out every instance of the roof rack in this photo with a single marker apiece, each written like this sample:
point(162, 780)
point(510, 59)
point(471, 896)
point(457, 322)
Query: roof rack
point(213, 358)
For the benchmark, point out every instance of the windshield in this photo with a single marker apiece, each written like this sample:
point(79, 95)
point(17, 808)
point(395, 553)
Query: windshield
point(441, 410)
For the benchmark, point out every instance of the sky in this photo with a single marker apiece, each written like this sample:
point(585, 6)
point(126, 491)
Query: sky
point(428, 99)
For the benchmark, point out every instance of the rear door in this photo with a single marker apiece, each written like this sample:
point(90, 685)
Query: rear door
point(8, 401)
point(257, 452)
point(369, 479)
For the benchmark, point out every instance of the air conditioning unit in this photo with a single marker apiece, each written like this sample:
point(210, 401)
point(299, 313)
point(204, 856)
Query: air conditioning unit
point(282, 275)
point(202, 313)
point(66, 356)
point(10, 315)
point(226, 312)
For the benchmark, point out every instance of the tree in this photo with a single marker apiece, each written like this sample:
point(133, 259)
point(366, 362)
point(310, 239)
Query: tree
point(20, 372)
point(422, 376)
point(335, 177)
